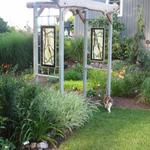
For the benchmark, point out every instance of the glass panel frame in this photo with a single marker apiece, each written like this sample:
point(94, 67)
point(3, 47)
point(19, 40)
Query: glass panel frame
point(48, 37)
point(97, 44)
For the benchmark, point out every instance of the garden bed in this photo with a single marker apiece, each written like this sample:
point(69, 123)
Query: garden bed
point(129, 103)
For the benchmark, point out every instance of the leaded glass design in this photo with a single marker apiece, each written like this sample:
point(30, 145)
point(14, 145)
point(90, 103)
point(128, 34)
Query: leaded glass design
point(48, 45)
point(97, 43)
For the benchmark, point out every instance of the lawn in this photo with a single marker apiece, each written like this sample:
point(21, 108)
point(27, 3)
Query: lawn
point(123, 129)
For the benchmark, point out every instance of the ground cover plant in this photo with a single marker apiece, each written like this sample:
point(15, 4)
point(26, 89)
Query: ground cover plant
point(123, 129)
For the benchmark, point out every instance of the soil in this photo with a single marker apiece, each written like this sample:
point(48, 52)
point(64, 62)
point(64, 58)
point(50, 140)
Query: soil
point(129, 103)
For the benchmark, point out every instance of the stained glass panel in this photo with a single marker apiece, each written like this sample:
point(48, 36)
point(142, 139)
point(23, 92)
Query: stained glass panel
point(48, 45)
point(97, 43)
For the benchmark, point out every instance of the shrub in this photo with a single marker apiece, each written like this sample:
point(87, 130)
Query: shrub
point(118, 87)
point(137, 41)
point(118, 65)
point(74, 73)
point(144, 59)
point(97, 80)
point(37, 114)
point(145, 91)
point(8, 88)
point(16, 48)
point(26, 120)
point(129, 85)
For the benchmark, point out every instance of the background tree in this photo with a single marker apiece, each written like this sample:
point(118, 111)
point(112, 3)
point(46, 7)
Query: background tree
point(3, 26)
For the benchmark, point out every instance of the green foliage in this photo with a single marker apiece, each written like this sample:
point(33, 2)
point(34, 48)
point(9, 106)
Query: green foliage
point(27, 119)
point(129, 85)
point(127, 45)
point(74, 73)
point(3, 26)
point(118, 27)
point(71, 85)
point(118, 65)
point(38, 114)
point(91, 93)
point(8, 88)
point(16, 48)
point(74, 49)
point(77, 52)
point(145, 91)
point(67, 48)
point(70, 111)
point(144, 59)
point(97, 80)
point(139, 37)
point(33, 120)
point(6, 144)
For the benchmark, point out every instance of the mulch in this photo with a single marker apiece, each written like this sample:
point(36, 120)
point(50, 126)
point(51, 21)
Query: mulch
point(123, 102)
point(129, 103)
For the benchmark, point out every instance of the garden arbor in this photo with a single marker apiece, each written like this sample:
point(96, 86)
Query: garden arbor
point(79, 7)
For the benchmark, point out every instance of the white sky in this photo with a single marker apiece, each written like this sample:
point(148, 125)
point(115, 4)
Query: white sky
point(16, 13)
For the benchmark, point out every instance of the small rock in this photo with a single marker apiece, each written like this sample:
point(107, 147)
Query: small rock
point(42, 145)
point(33, 145)
point(26, 143)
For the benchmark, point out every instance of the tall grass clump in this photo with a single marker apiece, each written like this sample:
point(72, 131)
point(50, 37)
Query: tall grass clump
point(16, 49)
point(70, 110)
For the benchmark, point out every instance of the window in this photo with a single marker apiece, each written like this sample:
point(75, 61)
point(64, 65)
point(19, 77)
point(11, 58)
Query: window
point(120, 3)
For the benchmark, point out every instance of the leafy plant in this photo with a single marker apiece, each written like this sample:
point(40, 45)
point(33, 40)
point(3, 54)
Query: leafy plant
point(145, 91)
point(98, 78)
point(139, 37)
point(27, 117)
point(6, 144)
point(118, 65)
point(144, 59)
point(74, 73)
point(74, 49)
point(129, 85)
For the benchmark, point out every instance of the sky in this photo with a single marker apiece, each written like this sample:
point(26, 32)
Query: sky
point(16, 13)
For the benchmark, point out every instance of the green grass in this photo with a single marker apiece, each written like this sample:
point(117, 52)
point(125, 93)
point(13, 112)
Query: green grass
point(123, 129)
